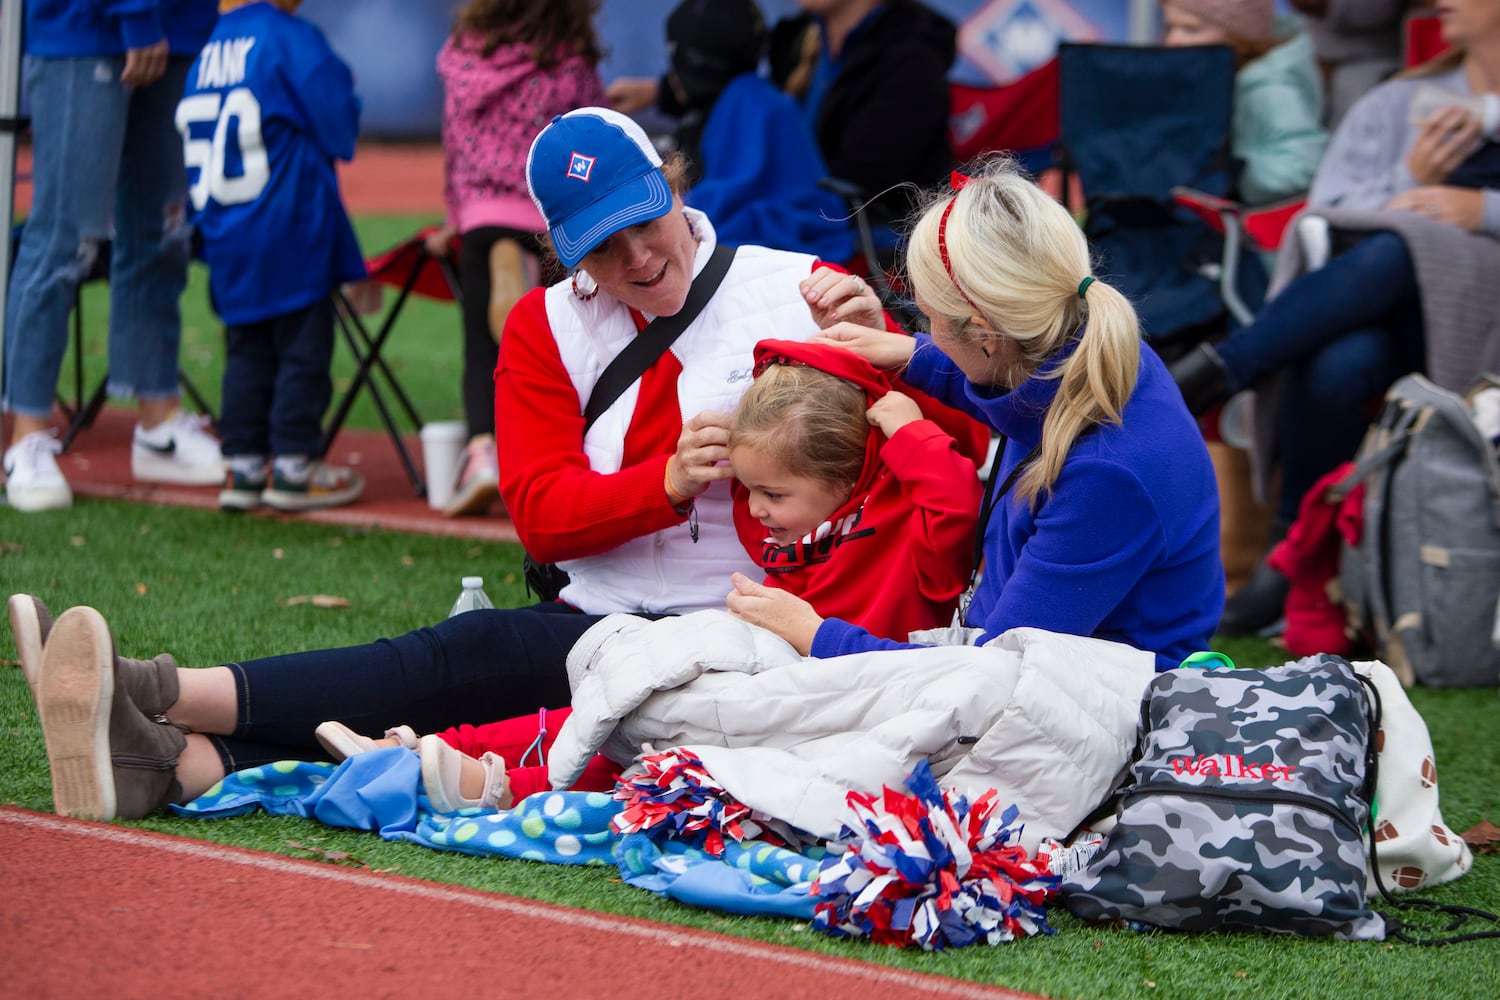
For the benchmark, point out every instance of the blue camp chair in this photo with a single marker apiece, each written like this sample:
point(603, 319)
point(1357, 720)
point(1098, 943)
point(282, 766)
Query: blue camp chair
point(1137, 123)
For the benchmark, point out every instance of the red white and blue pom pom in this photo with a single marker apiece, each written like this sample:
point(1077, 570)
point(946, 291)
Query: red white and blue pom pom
point(926, 867)
point(676, 796)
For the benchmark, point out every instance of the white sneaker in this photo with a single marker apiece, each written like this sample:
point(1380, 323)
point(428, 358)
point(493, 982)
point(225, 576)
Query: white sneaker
point(477, 485)
point(179, 451)
point(32, 479)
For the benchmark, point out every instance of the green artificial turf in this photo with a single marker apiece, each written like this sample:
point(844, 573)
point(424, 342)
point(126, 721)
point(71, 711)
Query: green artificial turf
point(210, 587)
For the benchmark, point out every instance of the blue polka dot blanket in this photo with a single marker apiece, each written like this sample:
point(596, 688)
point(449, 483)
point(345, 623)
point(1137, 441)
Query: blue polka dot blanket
point(381, 791)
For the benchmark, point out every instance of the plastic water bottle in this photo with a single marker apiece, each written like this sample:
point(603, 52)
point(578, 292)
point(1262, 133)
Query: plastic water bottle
point(472, 597)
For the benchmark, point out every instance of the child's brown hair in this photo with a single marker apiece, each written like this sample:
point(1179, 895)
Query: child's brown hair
point(807, 421)
point(555, 29)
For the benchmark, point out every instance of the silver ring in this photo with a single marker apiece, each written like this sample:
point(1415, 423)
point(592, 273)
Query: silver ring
point(859, 285)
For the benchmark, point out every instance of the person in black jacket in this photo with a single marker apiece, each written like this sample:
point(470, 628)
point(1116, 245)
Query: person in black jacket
point(872, 77)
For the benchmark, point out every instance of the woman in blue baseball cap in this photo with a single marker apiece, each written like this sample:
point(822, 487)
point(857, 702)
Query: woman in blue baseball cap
point(633, 504)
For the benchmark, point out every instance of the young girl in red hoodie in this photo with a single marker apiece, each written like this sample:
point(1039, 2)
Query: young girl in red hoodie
point(848, 496)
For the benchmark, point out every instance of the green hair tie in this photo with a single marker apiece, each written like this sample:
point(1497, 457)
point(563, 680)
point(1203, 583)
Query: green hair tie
point(1083, 285)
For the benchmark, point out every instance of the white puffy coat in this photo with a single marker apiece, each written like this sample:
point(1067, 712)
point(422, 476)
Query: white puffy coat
point(1047, 719)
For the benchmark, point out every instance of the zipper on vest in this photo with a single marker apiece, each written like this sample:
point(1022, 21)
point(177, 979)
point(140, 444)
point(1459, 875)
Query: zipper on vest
point(1233, 795)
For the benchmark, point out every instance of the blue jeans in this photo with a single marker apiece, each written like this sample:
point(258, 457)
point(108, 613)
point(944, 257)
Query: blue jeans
point(102, 153)
point(477, 667)
point(276, 383)
point(1342, 334)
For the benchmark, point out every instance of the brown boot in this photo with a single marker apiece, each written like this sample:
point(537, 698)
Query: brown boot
point(151, 684)
point(108, 760)
point(30, 621)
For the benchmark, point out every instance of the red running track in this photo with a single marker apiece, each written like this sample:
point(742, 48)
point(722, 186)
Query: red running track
point(93, 909)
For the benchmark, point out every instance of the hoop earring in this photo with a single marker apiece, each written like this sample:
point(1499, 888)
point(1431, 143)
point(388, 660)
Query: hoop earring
point(580, 292)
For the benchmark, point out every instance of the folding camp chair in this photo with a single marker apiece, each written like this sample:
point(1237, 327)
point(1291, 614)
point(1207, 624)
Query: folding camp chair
point(1020, 118)
point(408, 267)
point(1135, 123)
point(1262, 229)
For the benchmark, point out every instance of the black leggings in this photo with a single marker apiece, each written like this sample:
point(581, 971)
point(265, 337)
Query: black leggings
point(477, 667)
point(480, 346)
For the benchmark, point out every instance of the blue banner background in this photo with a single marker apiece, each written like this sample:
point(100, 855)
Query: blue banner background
point(392, 44)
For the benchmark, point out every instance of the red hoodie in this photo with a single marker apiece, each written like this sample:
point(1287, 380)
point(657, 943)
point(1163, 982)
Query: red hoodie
point(897, 555)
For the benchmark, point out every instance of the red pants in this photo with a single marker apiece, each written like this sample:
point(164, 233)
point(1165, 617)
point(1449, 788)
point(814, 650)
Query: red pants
point(517, 740)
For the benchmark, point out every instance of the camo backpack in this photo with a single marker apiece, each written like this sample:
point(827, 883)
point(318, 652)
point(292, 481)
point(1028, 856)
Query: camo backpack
point(1246, 806)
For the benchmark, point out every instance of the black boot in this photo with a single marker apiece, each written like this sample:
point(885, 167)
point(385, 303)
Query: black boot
point(1258, 607)
point(1202, 377)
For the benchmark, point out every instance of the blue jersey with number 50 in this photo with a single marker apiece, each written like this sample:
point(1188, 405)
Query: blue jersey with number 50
point(267, 109)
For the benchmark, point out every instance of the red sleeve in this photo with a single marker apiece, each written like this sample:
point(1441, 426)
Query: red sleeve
point(943, 489)
point(561, 508)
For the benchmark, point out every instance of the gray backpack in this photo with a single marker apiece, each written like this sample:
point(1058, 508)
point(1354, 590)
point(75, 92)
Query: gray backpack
point(1422, 584)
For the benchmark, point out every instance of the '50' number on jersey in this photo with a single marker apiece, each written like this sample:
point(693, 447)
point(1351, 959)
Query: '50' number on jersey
point(238, 111)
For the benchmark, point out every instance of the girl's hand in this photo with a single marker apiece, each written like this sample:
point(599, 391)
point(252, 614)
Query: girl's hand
point(1445, 140)
point(702, 455)
point(788, 615)
point(1462, 207)
point(630, 94)
point(881, 348)
point(438, 240)
point(892, 412)
point(834, 297)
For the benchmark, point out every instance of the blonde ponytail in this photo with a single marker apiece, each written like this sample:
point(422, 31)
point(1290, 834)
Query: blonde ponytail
point(1011, 255)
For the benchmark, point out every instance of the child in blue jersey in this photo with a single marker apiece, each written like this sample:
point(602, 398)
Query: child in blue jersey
point(267, 109)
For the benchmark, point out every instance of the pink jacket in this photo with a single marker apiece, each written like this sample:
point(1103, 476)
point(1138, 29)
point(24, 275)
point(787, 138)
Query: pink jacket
point(492, 109)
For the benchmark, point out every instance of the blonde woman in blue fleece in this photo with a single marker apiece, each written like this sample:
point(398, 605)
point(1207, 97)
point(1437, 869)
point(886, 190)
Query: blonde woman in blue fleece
point(1110, 525)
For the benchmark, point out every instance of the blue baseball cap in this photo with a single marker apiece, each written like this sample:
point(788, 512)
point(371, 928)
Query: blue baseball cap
point(592, 172)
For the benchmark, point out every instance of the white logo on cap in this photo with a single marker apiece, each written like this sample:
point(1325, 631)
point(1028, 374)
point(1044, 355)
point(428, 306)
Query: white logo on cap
point(581, 166)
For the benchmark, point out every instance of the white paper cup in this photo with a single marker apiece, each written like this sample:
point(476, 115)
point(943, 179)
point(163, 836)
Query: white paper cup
point(442, 450)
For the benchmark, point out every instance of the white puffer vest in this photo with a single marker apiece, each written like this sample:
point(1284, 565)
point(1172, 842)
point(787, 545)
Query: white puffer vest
point(666, 572)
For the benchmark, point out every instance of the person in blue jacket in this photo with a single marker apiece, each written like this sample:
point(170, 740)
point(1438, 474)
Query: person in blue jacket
point(267, 111)
point(103, 81)
point(754, 165)
point(1104, 515)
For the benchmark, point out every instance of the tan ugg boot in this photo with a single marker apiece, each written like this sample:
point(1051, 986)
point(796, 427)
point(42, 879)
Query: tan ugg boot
point(108, 760)
point(151, 684)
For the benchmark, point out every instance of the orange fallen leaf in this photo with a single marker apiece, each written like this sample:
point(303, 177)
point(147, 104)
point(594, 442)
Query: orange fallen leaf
point(316, 600)
point(277, 553)
point(78, 540)
point(140, 588)
point(337, 857)
point(1483, 836)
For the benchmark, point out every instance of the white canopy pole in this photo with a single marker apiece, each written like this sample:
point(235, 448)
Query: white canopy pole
point(10, 127)
point(1142, 25)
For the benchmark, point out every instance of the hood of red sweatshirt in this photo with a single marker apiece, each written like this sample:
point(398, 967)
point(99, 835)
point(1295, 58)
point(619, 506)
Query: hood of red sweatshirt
point(846, 365)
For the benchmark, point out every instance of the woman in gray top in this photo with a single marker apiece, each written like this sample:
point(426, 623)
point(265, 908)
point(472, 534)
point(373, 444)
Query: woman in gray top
point(1407, 203)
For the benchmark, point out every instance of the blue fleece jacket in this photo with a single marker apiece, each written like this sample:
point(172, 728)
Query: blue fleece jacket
point(73, 29)
point(1124, 547)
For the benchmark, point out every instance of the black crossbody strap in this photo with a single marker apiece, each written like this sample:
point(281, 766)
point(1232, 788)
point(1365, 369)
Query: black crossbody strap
point(993, 497)
point(652, 342)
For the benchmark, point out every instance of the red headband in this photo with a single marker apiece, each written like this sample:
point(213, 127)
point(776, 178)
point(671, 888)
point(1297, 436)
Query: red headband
point(956, 181)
